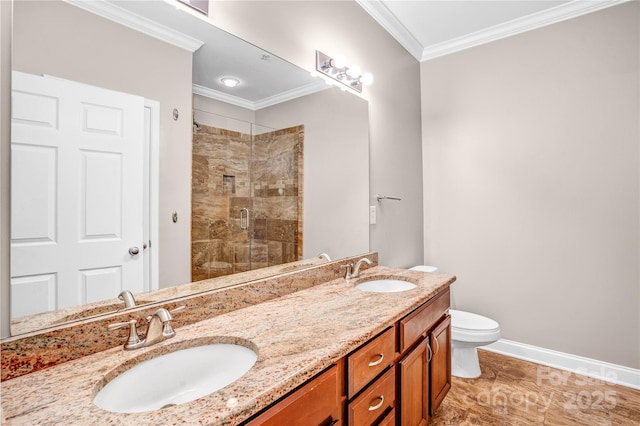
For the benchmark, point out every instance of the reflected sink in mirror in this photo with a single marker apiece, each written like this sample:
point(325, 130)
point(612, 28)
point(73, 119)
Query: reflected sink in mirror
point(385, 286)
point(176, 378)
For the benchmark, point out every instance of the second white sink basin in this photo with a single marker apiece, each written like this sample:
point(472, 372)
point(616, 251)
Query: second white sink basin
point(385, 286)
point(175, 378)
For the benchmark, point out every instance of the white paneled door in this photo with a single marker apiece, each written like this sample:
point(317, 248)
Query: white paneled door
point(77, 194)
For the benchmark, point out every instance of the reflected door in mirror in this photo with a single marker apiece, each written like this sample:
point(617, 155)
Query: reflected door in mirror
point(77, 191)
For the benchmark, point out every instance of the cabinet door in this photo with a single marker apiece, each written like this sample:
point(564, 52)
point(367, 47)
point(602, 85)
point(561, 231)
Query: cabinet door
point(317, 403)
point(414, 386)
point(440, 363)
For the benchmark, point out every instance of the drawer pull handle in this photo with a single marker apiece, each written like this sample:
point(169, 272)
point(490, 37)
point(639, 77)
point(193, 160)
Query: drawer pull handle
point(377, 361)
point(378, 405)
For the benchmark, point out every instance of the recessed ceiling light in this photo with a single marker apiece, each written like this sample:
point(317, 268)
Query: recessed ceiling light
point(230, 81)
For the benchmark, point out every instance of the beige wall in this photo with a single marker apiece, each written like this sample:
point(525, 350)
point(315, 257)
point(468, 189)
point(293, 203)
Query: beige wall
point(335, 210)
point(532, 182)
point(221, 114)
point(294, 31)
point(5, 163)
point(64, 41)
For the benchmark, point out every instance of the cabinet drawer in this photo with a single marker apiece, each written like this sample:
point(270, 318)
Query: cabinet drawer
point(315, 403)
point(414, 325)
point(389, 419)
point(375, 401)
point(370, 360)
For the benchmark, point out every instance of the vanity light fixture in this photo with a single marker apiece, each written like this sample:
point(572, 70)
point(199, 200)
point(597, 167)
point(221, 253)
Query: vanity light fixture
point(337, 69)
point(230, 81)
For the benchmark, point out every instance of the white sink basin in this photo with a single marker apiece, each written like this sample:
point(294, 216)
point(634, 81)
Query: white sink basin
point(385, 286)
point(175, 378)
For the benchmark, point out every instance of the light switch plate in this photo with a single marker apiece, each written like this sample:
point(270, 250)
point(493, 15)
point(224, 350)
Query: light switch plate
point(372, 215)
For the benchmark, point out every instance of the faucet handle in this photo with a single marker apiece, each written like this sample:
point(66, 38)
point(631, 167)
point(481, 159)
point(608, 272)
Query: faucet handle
point(348, 267)
point(133, 341)
point(167, 329)
point(178, 309)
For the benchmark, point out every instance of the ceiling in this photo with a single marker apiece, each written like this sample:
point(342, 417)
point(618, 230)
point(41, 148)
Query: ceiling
point(431, 28)
point(425, 28)
point(265, 79)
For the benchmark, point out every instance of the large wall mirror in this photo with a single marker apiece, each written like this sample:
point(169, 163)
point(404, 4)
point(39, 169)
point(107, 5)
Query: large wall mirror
point(173, 91)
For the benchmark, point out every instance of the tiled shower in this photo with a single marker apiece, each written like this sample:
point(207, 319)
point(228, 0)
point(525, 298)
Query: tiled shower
point(246, 197)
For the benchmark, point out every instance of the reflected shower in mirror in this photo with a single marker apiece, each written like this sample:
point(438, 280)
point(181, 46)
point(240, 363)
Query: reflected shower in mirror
point(89, 49)
point(246, 200)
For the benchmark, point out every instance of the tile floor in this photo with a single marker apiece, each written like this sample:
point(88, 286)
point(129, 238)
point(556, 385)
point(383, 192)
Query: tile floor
point(516, 392)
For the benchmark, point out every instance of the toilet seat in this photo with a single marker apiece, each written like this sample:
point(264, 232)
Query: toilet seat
point(469, 327)
point(424, 268)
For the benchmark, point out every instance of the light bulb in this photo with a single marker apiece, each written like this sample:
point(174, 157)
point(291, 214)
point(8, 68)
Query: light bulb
point(229, 81)
point(339, 62)
point(354, 72)
point(367, 78)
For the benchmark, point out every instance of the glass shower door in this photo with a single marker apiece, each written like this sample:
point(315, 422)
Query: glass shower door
point(246, 196)
point(276, 176)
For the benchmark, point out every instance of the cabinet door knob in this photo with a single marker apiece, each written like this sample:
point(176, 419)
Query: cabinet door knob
point(378, 405)
point(377, 361)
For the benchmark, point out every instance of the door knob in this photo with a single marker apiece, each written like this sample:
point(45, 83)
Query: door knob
point(133, 251)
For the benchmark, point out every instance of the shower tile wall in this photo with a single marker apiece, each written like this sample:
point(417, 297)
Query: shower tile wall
point(220, 189)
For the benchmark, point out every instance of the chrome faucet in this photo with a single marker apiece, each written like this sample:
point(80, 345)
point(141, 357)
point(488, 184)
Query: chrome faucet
point(127, 298)
point(159, 329)
point(353, 271)
point(356, 269)
point(324, 256)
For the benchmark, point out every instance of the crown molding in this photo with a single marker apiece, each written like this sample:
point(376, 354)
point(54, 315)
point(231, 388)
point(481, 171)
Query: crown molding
point(262, 103)
point(136, 22)
point(298, 92)
point(517, 26)
point(391, 24)
point(196, 89)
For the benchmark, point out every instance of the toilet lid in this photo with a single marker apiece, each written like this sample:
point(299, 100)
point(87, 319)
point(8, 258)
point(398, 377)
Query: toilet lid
point(424, 268)
point(467, 321)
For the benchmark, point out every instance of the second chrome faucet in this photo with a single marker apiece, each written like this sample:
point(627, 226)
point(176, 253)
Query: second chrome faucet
point(159, 329)
point(353, 271)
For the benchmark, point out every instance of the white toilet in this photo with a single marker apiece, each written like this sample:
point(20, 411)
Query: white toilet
point(468, 331)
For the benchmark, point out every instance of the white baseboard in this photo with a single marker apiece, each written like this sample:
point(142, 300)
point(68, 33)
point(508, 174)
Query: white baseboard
point(607, 372)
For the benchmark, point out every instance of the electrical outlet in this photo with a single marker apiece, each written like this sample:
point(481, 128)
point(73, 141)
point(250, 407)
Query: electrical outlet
point(372, 215)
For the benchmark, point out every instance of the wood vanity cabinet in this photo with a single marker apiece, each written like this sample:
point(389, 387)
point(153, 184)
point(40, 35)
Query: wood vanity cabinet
point(319, 402)
point(440, 368)
point(371, 380)
point(424, 367)
point(398, 378)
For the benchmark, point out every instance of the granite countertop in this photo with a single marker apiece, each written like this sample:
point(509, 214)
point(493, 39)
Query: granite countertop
point(296, 337)
point(60, 316)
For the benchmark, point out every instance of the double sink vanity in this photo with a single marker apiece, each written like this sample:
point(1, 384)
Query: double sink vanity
point(304, 347)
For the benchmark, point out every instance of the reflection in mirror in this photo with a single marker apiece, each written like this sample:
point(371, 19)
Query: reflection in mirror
point(84, 48)
point(246, 200)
